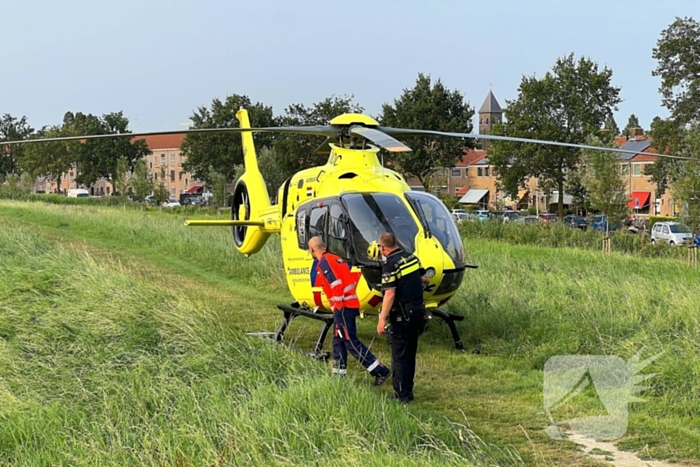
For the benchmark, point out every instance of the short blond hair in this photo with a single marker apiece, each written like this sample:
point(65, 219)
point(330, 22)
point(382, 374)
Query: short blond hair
point(387, 239)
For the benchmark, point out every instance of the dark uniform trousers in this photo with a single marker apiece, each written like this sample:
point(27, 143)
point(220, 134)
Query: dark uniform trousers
point(345, 340)
point(404, 346)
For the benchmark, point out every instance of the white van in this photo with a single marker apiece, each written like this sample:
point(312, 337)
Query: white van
point(78, 193)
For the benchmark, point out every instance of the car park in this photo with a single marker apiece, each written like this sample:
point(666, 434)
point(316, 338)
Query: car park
point(673, 233)
point(578, 222)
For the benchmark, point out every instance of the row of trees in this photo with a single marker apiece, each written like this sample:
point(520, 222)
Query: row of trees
point(429, 104)
point(95, 159)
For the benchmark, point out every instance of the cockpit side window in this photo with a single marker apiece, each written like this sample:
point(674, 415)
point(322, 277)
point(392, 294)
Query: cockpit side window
point(372, 214)
point(317, 222)
point(337, 232)
point(301, 228)
point(440, 223)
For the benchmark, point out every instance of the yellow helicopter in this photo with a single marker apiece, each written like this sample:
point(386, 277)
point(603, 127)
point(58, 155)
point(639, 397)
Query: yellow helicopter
point(349, 202)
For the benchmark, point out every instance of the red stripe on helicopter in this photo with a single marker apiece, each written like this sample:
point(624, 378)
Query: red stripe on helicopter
point(317, 300)
point(309, 191)
point(374, 301)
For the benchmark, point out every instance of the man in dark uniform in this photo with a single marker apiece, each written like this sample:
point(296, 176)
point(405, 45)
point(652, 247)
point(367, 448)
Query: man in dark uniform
point(402, 285)
point(338, 285)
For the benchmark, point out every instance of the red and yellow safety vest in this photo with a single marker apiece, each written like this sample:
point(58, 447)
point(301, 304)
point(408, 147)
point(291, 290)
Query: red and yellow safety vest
point(337, 282)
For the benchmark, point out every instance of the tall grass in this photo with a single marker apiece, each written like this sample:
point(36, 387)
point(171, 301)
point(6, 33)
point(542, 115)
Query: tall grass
point(523, 305)
point(99, 366)
point(558, 236)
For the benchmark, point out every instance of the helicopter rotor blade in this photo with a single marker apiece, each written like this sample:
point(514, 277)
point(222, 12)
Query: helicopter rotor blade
point(325, 130)
point(380, 139)
point(408, 132)
point(324, 148)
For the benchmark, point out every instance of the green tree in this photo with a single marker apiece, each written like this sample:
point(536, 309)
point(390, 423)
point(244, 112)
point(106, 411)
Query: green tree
point(142, 182)
point(567, 104)
point(429, 106)
point(686, 186)
point(668, 136)
point(122, 178)
point(678, 55)
point(97, 158)
point(632, 122)
point(575, 187)
point(296, 151)
point(51, 159)
point(26, 182)
point(160, 193)
point(274, 176)
point(12, 185)
point(219, 182)
point(604, 182)
point(610, 128)
point(12, 129)
point(223, 150)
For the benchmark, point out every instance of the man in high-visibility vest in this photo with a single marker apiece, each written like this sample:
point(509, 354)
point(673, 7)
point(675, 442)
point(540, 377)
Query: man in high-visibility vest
point(339, 286)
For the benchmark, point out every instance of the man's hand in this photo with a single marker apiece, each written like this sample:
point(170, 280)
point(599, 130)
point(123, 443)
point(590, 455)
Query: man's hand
point(381, 325)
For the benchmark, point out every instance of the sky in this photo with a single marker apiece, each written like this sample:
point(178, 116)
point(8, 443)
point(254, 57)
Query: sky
point(158, 61)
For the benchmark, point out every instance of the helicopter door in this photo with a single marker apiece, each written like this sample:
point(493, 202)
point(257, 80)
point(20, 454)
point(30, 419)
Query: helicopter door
point(327, 219)
point(337, 239)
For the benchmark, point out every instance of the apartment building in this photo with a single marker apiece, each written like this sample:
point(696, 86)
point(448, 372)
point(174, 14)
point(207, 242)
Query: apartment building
point(166, 159)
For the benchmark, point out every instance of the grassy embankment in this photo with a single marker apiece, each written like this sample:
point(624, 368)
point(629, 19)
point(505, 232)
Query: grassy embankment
point(524, 305)
point(111, 362)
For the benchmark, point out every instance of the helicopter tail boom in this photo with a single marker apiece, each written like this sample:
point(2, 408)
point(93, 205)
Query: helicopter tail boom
point(251, 210)
point(219, 223)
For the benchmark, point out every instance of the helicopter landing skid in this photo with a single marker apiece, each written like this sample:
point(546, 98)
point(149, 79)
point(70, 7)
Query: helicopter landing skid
point(291, 312)
point(449, 319)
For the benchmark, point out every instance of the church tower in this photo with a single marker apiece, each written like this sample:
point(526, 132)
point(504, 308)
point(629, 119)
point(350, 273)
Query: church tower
point(489, 113)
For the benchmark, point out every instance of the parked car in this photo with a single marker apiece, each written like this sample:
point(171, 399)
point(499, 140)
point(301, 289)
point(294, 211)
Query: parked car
point(462, 216)
point(78, 193)
point(672, 233)
point(481, 214)
point(547, 218)
point(526, 220)
point(578, 222)
point(459, 211)
point(171, 203)
point(511, 215)
point(600, 223)
point(192, 200)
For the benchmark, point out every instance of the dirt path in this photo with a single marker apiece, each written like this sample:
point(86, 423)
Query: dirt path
point(607, 451)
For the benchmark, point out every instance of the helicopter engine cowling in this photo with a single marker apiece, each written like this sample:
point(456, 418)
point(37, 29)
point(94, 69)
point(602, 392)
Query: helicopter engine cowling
point(248, 239)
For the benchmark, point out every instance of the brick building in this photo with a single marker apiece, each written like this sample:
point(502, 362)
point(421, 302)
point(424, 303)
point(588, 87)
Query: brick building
point(165, 155)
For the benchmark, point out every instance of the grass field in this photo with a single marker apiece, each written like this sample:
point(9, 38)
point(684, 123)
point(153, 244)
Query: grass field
point(121, 342)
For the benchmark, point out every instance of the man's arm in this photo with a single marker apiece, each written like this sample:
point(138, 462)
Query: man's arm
point(389, 291)
point(389, 295)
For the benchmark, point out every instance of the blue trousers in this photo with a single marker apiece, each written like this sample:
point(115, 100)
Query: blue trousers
point(345, 341)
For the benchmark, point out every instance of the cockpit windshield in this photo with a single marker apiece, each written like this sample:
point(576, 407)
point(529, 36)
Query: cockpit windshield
point(371, 214)
point(440, 223)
